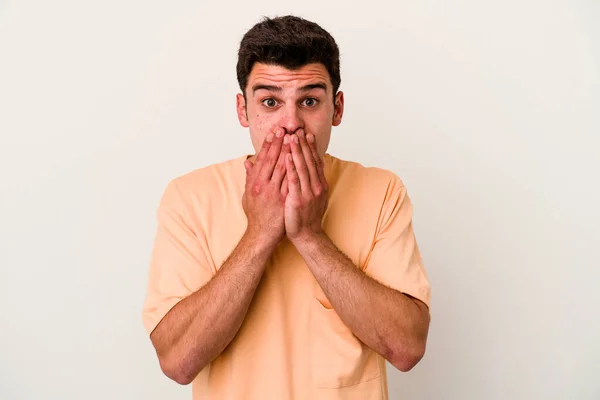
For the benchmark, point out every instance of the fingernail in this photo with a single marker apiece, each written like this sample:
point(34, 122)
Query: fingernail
point(296, 139)
point(310, 138)
point(279, 133)
point(269, 138)
point(289, 157)
point(286, 139)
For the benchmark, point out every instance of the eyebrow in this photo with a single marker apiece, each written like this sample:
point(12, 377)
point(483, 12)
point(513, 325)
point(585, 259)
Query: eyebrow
point(319, 85)
point(306, 88)
point(270, 88)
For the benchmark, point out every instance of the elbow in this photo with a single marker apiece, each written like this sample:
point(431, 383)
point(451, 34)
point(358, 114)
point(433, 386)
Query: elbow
point(405, 359)
point(406, 351)
point(182, 379)
point(174, 370)
point(406, 363)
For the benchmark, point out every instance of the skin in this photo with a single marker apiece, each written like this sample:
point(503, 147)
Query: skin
point(290, 115)
point(263, 110)
point(196, 330)
point(396, 325)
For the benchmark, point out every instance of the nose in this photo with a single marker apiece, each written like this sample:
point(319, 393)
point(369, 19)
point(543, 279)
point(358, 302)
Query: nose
point(291, 120)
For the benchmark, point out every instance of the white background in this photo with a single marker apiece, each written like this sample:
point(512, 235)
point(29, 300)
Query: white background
point(489, 112)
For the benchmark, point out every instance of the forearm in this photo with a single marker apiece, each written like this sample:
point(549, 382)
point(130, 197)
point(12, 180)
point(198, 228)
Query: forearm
point(201, 326)
point(391, 323)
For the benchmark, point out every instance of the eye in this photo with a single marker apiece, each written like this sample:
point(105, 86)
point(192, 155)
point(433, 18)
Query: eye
point(310, 102)
point(269, 103)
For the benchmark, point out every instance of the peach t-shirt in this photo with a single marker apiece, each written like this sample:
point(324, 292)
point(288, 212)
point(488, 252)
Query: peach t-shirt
point(292, 344)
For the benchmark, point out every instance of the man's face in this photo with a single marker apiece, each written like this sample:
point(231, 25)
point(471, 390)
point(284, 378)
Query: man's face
point(290, 99)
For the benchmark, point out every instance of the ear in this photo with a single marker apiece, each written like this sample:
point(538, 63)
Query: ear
point(240, 105)
point(338, 109)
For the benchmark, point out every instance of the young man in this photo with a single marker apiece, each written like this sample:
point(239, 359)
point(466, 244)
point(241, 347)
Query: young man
point(289, 274)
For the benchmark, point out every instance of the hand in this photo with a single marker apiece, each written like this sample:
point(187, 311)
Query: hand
point(307, 200)
point(266, 190)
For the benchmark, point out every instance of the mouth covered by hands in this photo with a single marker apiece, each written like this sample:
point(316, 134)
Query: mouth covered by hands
point(286, 190)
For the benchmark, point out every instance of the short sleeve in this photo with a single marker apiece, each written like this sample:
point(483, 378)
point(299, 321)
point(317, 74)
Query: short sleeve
point(179, 265)
point(394, 259)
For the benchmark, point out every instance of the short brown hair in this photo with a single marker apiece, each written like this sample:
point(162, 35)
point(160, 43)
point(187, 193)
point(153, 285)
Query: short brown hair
point(290, 42)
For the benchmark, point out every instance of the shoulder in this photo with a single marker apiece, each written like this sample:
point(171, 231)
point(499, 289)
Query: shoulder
point(208, 174)
point(205, 182)
point(365, 178)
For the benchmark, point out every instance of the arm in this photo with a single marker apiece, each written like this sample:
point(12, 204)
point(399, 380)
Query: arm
point(394, 324)
point(201, 325)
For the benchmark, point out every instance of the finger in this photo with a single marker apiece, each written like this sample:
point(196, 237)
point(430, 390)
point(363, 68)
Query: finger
point(300, 165)
point(270, 161)
point(280, 168)
point(248, 165)
point(311, 162)
point(284, 185)
point(312, 143)
point(292, 178)
point(264, 149)
point(262, 153)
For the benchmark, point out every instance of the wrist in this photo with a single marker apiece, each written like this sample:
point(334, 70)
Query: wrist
point(259, 241)
point(307, 240)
